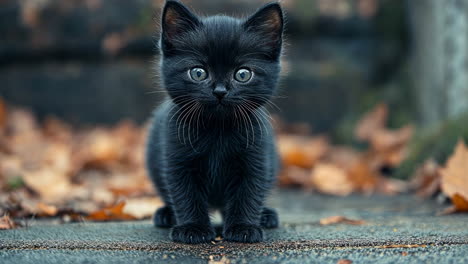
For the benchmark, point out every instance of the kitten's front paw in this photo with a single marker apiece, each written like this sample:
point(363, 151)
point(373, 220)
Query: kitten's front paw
point(164, 217)
point(269, 218)
point(192, 233)
point(243, 233)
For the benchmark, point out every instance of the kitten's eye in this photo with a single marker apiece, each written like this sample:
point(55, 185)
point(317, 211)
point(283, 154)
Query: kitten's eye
point(198, 74)
point(243, 75)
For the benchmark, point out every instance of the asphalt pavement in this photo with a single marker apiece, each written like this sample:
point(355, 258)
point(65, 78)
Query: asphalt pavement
point(399, 229)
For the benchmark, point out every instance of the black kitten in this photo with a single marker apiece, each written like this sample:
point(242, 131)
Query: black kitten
point(211, 144)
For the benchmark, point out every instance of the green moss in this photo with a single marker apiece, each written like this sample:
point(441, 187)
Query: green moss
point(437, 143)
point(15, 183)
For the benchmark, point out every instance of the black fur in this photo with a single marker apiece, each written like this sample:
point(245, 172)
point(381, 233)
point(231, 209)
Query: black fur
point(204, 152)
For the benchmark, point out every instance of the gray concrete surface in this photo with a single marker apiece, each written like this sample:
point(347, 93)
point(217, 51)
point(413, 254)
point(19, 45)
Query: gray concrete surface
point(398, 230)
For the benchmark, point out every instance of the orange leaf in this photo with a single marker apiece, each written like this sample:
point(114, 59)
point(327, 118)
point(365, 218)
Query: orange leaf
point(460, 203)
point(426, 180)
point(301, 151)
point(3, 114)
point(46, 209)
point(114, 212)
point(142, 207)
point(338, 219)
point(455, 177)
point(292, 175)
point(385, 139)
point(344, 261)
point(362, 176)
point(371, 122)
point(51, 184)
point(7, 223)
point(331, 179)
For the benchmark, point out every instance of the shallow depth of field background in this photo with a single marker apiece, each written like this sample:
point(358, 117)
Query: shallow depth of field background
point(360, 79)
point(93, 61)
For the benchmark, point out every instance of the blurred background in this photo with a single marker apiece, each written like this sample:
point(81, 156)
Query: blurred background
point(93, 61)
point(360, 78)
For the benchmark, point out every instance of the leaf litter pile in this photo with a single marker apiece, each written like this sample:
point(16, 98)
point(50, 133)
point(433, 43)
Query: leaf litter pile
point(50, 169)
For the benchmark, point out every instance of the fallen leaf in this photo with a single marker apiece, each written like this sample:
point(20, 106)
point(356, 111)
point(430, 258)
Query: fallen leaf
point(391, 186)
point(384, 139)
point(426, 180)
point(331, 179)
point(52, 185)
point(344, 261)
point(342, 156)
point(455, 177)
point(47, 209)
point(338, 219)
point(7, 223)
point(3, 115)
point(371, 122)
point(301, 151)
point(141, 208)
point(217, 260)
point(460, 203)
point(363, 177)
point(293, 175)
point(110, 213)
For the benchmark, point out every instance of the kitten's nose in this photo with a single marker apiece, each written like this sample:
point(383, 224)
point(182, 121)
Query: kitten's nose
point(220, 92)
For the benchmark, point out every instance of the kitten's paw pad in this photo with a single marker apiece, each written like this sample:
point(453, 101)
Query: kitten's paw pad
point(192, 234)
point(269, 218)
point(243, 233)
point(164, 217)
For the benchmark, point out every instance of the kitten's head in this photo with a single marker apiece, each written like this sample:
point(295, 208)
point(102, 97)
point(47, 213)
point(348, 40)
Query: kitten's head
point(221, 61)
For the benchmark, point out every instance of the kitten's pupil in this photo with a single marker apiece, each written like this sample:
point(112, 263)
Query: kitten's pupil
point(198, 74)
point(243, 75)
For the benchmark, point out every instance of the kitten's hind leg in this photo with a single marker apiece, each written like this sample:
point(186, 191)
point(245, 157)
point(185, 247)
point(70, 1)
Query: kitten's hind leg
point(164, 217)
point(269, 218)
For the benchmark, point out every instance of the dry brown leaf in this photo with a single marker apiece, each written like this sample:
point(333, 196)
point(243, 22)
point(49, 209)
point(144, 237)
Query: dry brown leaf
point(292, 175)
point(10, 167)
point(47, 209)
point(343, 157)
point(371, 122)
point(50, 184)
point(331, 179)
point(460, 203)
point(344, 261)
point(384, 139)
point(222, 260)
point(3, 115)
point(21, 122)
point(301, 151)
point(391, 186)
point(57, 130)
point(110, 213)
point(99, 149)
point(141, 208)
point(455, 177)
point(363, 177)
point(7, 223)
point(339, 219)
point(426, 179)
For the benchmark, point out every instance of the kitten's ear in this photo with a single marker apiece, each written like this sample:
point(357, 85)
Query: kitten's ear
point(268, 23)
point(176, 19)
